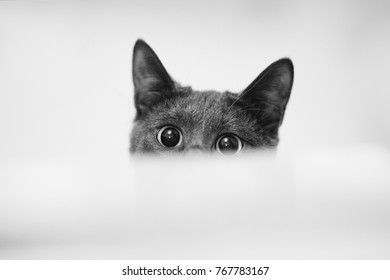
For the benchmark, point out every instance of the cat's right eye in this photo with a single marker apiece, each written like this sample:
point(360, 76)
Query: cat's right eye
point(169, 136)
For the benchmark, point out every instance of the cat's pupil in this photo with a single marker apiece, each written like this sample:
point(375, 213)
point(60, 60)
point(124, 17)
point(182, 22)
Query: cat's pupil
point(170, 137)
point(228, 145)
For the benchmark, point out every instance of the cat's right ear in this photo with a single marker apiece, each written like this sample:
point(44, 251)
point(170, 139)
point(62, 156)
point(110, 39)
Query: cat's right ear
point(152, 83)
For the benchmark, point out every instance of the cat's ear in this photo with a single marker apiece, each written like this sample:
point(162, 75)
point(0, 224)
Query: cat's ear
point(152, 83)
point(269, 93)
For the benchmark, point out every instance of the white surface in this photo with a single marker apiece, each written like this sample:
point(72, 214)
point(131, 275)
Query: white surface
point(321, 205)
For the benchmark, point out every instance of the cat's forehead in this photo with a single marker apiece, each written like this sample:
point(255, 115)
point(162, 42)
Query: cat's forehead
point(204, 102)
point(195, 107)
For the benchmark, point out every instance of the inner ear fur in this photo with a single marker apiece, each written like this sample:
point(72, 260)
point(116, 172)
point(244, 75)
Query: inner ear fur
point(269, 93)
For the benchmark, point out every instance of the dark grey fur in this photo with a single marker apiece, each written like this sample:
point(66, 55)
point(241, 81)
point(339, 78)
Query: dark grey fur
point(202, 116)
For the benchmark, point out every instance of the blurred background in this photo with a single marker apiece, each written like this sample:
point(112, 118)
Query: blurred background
point(69, 189)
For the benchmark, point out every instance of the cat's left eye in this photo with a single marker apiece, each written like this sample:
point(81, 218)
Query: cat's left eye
point(228, 144)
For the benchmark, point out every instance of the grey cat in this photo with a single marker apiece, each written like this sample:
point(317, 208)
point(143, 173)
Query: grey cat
point(171, 118)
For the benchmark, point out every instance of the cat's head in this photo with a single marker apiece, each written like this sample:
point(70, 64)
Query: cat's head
point(171, 118)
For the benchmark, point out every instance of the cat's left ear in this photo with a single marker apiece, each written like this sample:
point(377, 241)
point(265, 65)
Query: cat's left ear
point(152, 83)
point(269, 93)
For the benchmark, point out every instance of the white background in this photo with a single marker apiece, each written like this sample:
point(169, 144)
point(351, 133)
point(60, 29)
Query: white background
point(68, 188)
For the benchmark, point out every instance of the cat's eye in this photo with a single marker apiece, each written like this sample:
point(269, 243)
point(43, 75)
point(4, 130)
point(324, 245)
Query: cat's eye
point(169, 136)
point(228, 144)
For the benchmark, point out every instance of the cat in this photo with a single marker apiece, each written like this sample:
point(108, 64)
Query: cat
point(171, 118)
